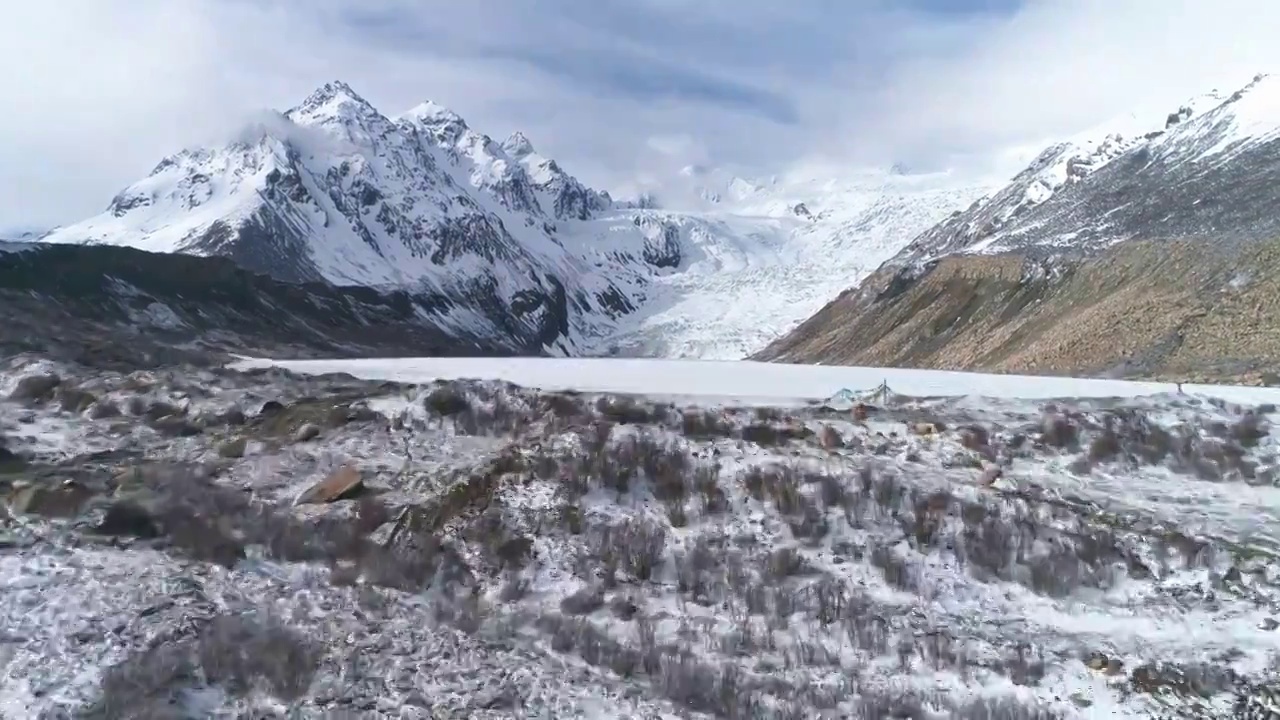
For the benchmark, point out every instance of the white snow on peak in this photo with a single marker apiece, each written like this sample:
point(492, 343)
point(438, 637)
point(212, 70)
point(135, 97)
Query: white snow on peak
point(1210, 126)
point(1249, 116)
point(517, 145)
point(433, 114)
point(334, 102)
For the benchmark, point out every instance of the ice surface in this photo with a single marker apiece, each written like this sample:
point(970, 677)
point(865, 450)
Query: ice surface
point(747, 380)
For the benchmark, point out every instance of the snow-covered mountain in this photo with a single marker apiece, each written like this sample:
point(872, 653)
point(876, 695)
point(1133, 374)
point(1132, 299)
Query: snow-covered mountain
point(1166, 177)
point(333, 190)
point(506, 244)
point(1148, 250)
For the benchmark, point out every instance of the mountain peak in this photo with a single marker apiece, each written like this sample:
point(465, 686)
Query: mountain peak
point(517, 145)
point(432, 113)
point(333, 100)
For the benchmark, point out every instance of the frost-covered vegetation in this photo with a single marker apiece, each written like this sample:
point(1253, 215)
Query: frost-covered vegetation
point(205, 543)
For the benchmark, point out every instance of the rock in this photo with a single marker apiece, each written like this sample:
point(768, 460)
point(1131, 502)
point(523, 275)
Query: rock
point(308, 431)
point(342, 484)
point(975, 437)
point(233, 448)
point(174, 426)
point(104, 409)
point(1097, 661)
point(991, 475)
point(136, 406)
point(624, 608)
point(338, 416)
point(233, 417)
point(128, 519)
point(63, 500)
point(36, 388)
point(1057, 430)
point(926, 429)
point(158, 410)
point(74, 400)
point(270, 407)
point(830, 438)
point(1269, 624)
point(516, 551)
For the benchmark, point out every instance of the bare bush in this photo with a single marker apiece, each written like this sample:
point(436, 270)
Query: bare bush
point(1060, 431)
point(706, 482)
point(147, 684)
point(705, 425)
point(773, 435)
point(763, 434)
point(240, 652)
point(635, 546)
point(448, 400)
point(583, 602)
point(698, 568)
point(1250, 428)
point(626, 410)
point(786, 562)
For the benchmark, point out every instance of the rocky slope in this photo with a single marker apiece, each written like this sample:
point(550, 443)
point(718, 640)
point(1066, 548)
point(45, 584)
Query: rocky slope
point(125, 308)
point(1145, 256)
point(529, 257)
point(198, 542)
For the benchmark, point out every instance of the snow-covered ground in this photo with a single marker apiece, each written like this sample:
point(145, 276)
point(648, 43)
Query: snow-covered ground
point(522, 553)
point(745, 381)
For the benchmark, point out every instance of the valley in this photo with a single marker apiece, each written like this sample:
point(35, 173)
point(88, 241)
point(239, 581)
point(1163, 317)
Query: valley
point(367, 415)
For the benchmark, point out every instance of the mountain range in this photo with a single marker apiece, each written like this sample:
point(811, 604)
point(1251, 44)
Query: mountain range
point(499, 244)
point(1135, 250)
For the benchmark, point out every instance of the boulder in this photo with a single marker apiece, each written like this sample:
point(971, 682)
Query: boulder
point(343, 483)
point(74, 400)
point(308, 431)
point(104, 409)
point(36, 388)
point(174, 426)
point(830, 438)
point(233, 448)
point(60, 500)
point(926, 429)
point(128, 519)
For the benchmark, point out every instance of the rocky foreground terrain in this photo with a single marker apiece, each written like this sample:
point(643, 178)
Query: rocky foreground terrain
point(198, 542)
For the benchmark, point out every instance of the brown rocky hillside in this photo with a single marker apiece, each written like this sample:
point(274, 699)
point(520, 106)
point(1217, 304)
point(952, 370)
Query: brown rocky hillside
point(1164, 310)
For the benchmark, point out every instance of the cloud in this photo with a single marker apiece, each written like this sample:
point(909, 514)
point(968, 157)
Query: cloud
point(1057, 67)
point(614, 89)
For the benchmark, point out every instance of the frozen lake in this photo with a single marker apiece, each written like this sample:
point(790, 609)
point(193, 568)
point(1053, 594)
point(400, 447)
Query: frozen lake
point(743, 380)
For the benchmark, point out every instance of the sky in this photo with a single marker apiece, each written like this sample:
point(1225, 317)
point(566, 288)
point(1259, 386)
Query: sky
point(97, 93)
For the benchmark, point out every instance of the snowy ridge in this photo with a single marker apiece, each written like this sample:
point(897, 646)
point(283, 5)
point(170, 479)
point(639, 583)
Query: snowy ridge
point(1120, 182)
point(511, 246)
